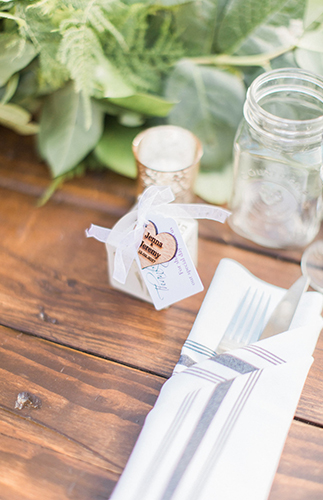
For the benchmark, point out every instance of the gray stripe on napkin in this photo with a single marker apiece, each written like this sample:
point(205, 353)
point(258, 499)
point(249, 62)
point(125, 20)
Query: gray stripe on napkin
point(223, 436)
point(165, 444)
point(202, 373)
point(234, 363)
point(207, 416)
point(186, 360)
point(199, 348)
point(264, 354)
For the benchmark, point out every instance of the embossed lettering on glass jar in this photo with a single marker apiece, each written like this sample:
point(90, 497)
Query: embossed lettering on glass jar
point(277, 194)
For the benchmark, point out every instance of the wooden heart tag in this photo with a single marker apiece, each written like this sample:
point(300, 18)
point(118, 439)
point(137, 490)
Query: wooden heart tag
point(155, 247)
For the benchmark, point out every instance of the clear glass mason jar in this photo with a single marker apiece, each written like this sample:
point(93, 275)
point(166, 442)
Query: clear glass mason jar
point(277, 192)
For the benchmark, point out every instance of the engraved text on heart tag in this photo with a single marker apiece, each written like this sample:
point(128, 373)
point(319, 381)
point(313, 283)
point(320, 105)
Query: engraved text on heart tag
point(155, 247)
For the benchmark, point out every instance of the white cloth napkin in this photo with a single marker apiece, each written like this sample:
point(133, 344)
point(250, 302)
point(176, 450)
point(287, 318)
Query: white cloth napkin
point(220, 422)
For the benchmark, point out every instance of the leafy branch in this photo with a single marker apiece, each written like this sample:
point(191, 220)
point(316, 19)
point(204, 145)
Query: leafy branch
point(86, 76)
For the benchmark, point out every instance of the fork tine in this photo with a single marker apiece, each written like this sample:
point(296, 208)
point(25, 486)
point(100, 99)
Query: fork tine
point(258, 320)
point(248, 319)
point(247, 322)
point(237, 318)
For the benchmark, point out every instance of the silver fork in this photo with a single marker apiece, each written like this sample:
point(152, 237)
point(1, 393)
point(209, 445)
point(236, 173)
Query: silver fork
point(247, 322)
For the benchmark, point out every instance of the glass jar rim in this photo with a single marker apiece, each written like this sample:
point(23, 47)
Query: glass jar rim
point(263, 85)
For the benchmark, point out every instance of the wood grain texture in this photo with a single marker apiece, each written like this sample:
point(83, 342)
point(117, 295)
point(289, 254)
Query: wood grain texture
point(32, 470)
point(77, 444)
point(49, 266)
point(300, 472)
point(95, 357)
point(53, 284)
point(80, 439)
point(22, 170)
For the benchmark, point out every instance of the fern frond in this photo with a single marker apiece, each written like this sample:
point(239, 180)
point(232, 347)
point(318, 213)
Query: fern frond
point(154, 46)
point(99, 21)
point(51, 72)
point(80, 51)
point(72, 37)
point(47, 7)
point(41, 31)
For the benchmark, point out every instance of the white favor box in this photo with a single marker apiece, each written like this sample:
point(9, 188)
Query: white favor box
point(134, 284)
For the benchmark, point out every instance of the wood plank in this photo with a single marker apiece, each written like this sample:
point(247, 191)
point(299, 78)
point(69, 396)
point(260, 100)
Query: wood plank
point(31, 469)
point(300, 472)
point(22, 170)
point(50, 271)
point(77, 443)
point(48, 265)
point(310, 406)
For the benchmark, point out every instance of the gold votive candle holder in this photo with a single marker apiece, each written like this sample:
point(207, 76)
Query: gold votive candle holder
point(167, 155)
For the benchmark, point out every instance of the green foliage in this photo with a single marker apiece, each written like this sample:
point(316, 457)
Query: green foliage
point(210, 104)
point(18, 119)
point(251, 26)
point(41, 30)
point(114, 148)
point(153, 45)
point(15, 54)
point(144, 104)
point(64, 139)
point(67, 64)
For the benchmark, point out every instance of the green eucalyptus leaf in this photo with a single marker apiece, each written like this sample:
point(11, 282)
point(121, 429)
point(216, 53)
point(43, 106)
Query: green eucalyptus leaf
point(109, 108)
point(312, 40)
point(197, 18)
point(314, 12)
point(110, 82)
point(26, 94)
point(17, 119)
point(286, 60)
point(145, 104)
point(215, 187)
point(217, 151)
point(210, 105)
point(254, 27)
point(310, 60)
point(114, 149)
point(10, 88)
point(63, 138)
point(15, 54)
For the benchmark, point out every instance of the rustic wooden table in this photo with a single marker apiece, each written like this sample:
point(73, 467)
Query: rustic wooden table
point(97, 358)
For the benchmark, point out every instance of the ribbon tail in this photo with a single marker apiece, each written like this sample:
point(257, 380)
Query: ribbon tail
point(196, 211)
point(98, 232)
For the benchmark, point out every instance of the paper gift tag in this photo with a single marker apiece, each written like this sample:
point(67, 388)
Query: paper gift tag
point(165, 263)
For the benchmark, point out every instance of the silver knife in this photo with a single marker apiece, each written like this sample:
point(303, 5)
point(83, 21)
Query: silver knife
point(283, 313)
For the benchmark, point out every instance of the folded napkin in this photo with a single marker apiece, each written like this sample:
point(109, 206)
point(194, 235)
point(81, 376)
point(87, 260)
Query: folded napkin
point(220, 422)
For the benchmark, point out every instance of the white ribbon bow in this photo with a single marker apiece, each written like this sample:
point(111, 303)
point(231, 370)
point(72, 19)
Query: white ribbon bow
point(126, 235)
